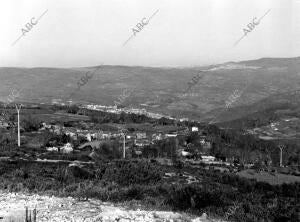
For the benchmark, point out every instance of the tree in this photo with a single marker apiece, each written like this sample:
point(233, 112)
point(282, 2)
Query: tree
point(73, 109)
point(30, 124)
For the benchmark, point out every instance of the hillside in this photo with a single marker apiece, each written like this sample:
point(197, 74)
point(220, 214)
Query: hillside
point(281, 104)
point(158, 89)
point(274, 117)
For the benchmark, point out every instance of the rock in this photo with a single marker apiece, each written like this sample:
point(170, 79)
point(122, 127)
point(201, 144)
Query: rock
point(93, 155)
point(203, 216)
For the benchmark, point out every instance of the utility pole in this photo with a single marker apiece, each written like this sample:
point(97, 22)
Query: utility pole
point(124, 150)
point(123, 132)
point(281, 148)
point(18, 108)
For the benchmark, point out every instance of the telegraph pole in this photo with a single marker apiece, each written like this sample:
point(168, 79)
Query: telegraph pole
point(18, 108)
point(281, 148)
point(124, 142)
point(124, 150)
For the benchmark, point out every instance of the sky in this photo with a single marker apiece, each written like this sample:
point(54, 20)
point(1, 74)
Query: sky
point(180, 33)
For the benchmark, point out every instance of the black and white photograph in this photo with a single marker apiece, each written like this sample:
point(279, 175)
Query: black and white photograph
point(150, 111)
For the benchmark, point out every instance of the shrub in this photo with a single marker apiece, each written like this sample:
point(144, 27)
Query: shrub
point(22, 173)
point(77, 171)
point(194, 196)
point(132, 172)
point(73, 109)
point(30, 124)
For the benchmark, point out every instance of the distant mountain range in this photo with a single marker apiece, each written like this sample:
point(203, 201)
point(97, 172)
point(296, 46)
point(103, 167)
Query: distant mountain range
point(262, 84)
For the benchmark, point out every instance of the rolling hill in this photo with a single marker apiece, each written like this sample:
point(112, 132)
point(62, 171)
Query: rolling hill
point(158, 89)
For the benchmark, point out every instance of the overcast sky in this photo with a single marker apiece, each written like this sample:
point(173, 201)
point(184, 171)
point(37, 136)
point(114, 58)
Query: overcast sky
point(75, 33)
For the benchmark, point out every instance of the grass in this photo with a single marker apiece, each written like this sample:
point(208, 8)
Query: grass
point(59, 117)
point(48, 115)
point(271, 178)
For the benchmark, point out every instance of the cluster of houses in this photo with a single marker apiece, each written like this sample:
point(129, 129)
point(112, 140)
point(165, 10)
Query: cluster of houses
point(116, 110)
point(140, 138)
point(67, 148)
point(3, 124)
point(136, 140)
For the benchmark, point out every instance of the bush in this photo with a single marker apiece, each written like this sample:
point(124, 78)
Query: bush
point(73, 109)
point(220, 195)
point(193, 196)
point(78, 172)
point(30, 124)
point(21, 173)
point(126, 172)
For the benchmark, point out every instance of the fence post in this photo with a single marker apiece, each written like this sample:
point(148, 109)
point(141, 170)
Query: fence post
point(34, 215)
point(26, 214)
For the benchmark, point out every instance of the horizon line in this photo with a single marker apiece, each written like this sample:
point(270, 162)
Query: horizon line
point(151, 66)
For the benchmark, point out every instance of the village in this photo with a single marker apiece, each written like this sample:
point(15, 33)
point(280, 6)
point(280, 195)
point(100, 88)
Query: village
point(134, 143)
point(68, 134)
point(85, 136)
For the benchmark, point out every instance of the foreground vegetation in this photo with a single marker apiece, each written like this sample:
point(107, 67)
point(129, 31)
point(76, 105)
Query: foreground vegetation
point(220, 195)
point(269, 177)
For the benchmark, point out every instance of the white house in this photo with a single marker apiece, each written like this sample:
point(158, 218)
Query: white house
point(141, 135)
point(52, 149)
point(67, 148)
point(195, 129)
point(208, 158)
point(170, 135)
point(202, 141)
point(89, 137)
point(185, 153)
point(157, 136)
point(3, 124)
point(71, 134)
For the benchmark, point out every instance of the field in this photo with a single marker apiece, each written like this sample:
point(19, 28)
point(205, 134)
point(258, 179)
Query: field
point(47, 115)
point(268, 177)
point(60, 117)
point(285, 128)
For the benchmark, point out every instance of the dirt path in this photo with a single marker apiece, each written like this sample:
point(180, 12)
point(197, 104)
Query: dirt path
point(50, 209)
